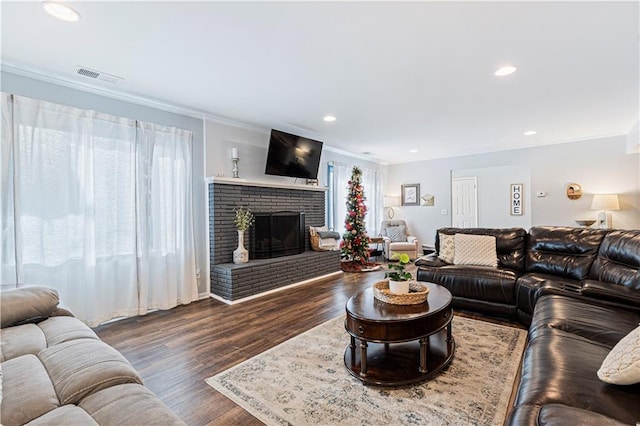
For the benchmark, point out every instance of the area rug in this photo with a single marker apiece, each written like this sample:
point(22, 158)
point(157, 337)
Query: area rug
point(303, 381)
point(351, 266)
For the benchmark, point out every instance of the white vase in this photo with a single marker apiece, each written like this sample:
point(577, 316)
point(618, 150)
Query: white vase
point(399, 287)
point(241, 254)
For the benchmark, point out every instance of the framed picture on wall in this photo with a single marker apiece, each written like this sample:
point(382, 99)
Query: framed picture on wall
point(517, 207)
point(411, 194)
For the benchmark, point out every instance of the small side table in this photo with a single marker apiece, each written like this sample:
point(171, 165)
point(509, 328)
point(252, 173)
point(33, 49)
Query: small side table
point(376, 252)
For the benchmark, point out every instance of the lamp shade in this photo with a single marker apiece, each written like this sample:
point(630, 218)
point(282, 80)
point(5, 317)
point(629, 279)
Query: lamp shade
point(391, 201)
point(605, 202)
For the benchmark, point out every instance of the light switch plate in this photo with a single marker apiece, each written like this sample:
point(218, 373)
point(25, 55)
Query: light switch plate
point(444, 211)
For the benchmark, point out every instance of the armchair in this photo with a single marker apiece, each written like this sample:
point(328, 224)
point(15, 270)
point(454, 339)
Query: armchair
point(397, 239)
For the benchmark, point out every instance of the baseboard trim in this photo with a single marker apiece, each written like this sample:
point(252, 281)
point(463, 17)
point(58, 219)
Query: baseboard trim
point(275, 290)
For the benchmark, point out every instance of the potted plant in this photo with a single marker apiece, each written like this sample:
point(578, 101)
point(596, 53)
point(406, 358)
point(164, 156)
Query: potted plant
point(244, 219)
point(399, 278)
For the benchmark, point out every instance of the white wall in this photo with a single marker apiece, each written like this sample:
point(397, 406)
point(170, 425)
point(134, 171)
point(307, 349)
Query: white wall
point(252, 144)
point(599, 165)
point(494, 195)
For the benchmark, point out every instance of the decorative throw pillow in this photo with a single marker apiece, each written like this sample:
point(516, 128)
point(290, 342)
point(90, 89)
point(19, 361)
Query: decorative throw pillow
point(479, 250)
point(447, 247)
point(398, 234)
point(622, 364)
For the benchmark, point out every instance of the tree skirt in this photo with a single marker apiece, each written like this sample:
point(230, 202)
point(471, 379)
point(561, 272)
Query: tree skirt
point(352, 266)
point(303, 381)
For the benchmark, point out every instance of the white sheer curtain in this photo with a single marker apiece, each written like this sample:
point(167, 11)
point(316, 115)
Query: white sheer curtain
point(100, 210)
point(167, 256)
point(372, 183)
point(340, 191)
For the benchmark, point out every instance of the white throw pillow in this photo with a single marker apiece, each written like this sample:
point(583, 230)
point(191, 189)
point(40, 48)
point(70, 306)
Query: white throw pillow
point(447, 247)
point(479, 250)
point(622, 364)
point(397, 234)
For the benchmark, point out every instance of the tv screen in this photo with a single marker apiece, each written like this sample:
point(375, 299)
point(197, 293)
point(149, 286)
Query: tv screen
point(294, 156)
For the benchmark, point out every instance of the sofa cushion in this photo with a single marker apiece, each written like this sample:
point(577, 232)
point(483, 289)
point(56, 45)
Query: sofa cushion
point(65, 415)
point(447, 248)
point(27, 390)
point(562, 251)
point(622, 364)
point(618, 259)
point(29, 304)
point(510, 244)
point(600, 324)
point(558, 414)
point(473, 282)
point(560, 368)
point(83, 366)
point(129, 404)
point(612, 292)
point(21, 340)
point(64, 329)
point(479, 250)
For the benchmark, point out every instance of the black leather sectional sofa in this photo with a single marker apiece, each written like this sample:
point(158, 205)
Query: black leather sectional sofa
point(578, 290)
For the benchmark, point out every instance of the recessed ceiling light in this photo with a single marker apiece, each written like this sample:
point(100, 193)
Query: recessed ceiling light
point(529, 133)
point(506, 70)
point(62, 11)
point(413, 150)
point(329, 118)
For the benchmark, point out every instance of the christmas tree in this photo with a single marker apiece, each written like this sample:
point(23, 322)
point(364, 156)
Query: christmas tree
point(355, 241)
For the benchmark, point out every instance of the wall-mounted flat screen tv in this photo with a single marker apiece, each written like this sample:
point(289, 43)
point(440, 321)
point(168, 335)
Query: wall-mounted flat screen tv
point(293, 156)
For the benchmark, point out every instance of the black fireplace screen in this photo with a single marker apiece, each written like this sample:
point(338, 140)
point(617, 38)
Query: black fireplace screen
point(277, 234)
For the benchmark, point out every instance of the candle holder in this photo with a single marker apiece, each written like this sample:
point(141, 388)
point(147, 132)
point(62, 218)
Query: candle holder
point(235, 167)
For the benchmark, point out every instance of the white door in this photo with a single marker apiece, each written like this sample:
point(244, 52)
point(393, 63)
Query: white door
point(464, 200)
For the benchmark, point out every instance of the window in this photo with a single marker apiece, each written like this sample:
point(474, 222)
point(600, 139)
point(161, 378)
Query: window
point(98, 207)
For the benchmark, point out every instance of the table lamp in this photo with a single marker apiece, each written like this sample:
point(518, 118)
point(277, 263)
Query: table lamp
point(389, 202)
point(604, 203)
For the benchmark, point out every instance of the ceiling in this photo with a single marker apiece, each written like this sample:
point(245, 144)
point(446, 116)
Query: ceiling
point(398, 76)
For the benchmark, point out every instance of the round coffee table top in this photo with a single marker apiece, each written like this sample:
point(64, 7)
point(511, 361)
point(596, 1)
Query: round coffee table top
point(365, 306)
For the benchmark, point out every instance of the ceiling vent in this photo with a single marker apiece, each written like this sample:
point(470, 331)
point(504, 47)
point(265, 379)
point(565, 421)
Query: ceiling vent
point(98, 75)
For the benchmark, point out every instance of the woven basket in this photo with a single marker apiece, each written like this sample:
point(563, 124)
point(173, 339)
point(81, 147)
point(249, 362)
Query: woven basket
point(417, 293)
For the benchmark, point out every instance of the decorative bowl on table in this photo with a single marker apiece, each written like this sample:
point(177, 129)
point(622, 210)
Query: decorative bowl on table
point(585, 222)
point(418, 293)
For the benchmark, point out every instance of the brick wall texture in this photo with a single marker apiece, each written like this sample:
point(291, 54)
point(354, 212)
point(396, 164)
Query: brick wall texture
point(224, 198)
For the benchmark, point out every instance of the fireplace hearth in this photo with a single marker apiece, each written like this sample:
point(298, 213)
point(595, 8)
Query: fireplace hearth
point(277, 234)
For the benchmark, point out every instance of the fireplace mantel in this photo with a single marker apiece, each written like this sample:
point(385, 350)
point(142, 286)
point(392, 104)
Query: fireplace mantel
point(263, 184)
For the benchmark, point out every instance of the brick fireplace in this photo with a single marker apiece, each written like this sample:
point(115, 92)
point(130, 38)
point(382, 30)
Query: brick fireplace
point(232, 282)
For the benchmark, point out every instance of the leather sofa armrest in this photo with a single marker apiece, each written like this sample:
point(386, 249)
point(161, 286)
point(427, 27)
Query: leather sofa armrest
point(411, 239)
point(611, 292)
point(431, 260)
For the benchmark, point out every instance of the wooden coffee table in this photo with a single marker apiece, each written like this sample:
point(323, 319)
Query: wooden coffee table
point(399, 344)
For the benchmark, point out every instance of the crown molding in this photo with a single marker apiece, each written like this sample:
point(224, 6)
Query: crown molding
point(206, 116)
point(35, 74)
point(351, 154)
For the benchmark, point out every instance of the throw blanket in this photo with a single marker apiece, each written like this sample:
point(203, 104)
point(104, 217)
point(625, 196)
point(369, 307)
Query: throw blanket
point(329, 234)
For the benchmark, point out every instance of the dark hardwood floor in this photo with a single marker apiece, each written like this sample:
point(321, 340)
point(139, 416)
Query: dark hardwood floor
point(174, 351)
